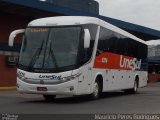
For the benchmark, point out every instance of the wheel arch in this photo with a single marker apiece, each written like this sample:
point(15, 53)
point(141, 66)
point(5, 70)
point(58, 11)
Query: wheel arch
point(100, 78)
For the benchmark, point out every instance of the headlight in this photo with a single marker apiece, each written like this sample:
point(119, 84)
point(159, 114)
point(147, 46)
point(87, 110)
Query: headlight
point(70, 77)
point(21, 77)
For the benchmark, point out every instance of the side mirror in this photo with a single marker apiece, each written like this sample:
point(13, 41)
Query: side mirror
point(87, 38)
point(13, 35)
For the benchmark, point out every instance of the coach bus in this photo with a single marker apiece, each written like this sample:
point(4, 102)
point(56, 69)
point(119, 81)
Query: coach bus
point(77, 55)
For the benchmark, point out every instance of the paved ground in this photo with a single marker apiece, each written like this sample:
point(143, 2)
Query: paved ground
point(146, 101)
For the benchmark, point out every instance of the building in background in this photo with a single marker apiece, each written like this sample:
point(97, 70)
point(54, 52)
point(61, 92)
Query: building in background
point(153, 50)
point(16, 14)
point(88, 6)
point(154, 63)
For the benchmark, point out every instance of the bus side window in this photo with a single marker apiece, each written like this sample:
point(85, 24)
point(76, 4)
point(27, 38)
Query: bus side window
point(130, 49)
point(105, 43)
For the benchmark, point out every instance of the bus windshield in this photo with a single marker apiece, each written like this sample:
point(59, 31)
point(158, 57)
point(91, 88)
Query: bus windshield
point(48, 48)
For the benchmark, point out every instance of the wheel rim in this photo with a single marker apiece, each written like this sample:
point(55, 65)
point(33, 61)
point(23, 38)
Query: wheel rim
point(96, 89)
point(135, 86)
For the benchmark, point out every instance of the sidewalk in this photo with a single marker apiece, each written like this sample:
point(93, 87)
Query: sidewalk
point(8, 88)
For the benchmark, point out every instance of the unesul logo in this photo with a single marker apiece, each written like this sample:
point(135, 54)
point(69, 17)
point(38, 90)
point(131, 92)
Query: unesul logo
point(130, 63)
point(54, 77)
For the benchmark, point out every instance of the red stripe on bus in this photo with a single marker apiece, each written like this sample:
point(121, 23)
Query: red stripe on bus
point(108, 60)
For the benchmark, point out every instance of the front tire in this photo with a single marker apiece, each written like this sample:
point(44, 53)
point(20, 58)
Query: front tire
point(49, 98)
point(96, 90)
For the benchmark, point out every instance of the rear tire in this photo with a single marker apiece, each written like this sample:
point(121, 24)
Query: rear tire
point(134, 90)
point(49, 98)
point(96, 90)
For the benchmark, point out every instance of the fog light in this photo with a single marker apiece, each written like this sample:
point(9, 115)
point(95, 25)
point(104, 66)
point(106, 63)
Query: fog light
point(71, 88)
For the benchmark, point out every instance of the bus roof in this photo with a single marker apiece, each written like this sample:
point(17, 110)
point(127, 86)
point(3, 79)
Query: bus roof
point(78, 20)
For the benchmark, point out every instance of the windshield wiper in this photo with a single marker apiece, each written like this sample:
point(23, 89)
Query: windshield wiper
point(36, 55)
point(53, 57)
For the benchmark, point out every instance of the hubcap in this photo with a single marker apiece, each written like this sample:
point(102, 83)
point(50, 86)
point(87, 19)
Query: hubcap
point(96, 89)
point(135, 86)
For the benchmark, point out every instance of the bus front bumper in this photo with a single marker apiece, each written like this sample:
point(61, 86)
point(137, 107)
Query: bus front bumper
point(66, 88)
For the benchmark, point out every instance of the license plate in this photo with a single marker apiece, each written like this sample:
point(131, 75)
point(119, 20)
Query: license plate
point(41, 89)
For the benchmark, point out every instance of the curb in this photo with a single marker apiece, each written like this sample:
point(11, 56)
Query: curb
point(8, 88)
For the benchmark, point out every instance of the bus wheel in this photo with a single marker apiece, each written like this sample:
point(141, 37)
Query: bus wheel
point(96, 90)
point(49, 97)
point(133, 90)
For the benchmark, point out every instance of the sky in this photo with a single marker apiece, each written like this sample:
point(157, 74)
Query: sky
point(141, 12)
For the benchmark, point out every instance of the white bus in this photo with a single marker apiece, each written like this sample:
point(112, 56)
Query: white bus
point(75, 55)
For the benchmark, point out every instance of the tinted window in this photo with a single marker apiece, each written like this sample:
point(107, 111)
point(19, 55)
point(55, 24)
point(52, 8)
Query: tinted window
point(110, 41)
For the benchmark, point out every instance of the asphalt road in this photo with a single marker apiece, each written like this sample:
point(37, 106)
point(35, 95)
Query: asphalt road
point(146, 101)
